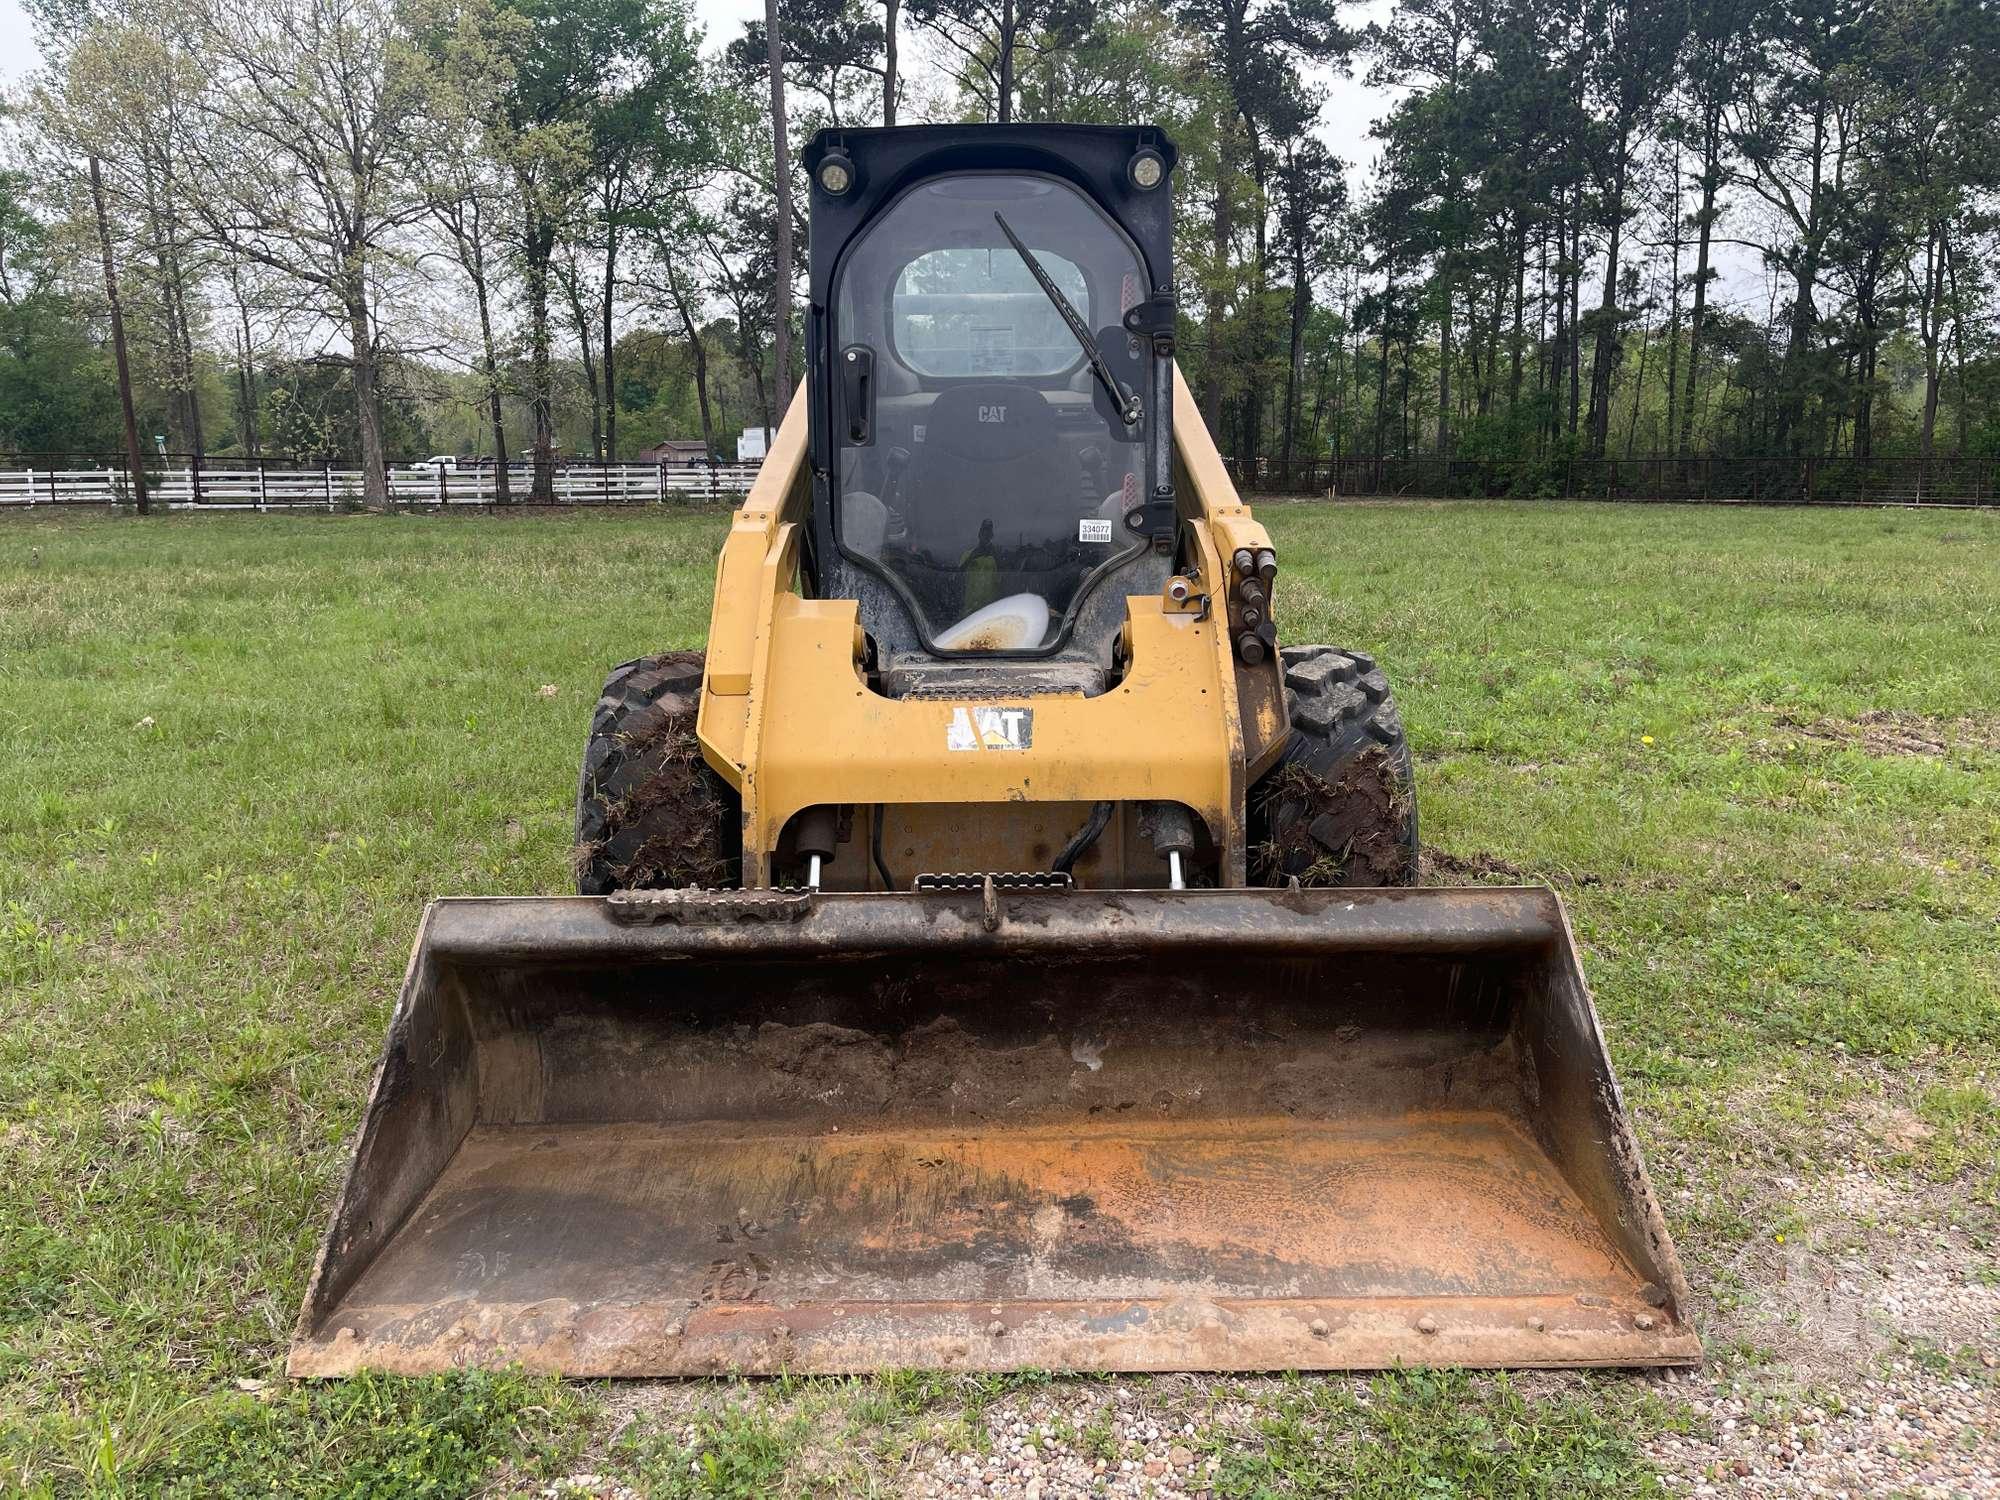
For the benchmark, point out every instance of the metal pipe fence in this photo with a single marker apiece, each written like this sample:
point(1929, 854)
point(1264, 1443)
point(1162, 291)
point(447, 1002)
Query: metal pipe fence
point(1956, 482)
point(192, 482)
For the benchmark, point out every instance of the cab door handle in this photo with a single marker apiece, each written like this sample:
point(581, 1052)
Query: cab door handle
point(857, 394)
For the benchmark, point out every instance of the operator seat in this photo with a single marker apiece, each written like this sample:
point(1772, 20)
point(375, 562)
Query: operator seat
point(990, 505)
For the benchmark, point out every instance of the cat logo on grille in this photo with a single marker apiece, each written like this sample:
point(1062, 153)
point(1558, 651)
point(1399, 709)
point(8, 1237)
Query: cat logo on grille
point(990, 728)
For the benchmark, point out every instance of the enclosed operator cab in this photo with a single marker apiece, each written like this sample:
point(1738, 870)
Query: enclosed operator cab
point(992, 426)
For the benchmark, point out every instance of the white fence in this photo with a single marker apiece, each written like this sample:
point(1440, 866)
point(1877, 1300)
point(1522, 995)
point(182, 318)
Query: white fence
point(267, 487)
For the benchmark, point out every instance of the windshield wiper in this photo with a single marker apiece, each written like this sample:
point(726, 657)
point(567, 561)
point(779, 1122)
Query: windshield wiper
point(1127, 402)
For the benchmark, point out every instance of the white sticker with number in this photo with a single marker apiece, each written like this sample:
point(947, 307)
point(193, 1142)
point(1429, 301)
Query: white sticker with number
point(1093, 529)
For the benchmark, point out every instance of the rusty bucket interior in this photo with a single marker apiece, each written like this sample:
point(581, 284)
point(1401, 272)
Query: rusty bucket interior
point(1202, 1130)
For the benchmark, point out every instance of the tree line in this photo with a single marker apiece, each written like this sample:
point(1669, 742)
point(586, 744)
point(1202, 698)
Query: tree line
point(531, 229)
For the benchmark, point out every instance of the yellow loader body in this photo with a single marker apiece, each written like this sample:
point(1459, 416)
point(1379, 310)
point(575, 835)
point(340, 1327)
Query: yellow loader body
point(787, 718)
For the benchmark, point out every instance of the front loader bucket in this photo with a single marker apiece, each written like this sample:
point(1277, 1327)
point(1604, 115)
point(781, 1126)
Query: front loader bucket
point(1206, 1130)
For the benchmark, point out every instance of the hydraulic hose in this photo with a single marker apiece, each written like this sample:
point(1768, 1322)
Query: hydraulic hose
point(875, 849)
point(1083, 838)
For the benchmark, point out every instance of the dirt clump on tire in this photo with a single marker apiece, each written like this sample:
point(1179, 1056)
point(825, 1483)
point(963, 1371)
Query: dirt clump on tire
point(1350, 830)
point(651, 813)
point(659, 832)
point(1340, 807)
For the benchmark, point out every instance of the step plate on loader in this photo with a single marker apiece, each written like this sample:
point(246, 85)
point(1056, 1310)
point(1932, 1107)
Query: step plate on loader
point(1113, 1130)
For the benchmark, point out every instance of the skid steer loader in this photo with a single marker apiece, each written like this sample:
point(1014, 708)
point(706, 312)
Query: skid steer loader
point(996, 952)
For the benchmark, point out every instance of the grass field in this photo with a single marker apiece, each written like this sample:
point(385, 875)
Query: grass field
point(1757, 751)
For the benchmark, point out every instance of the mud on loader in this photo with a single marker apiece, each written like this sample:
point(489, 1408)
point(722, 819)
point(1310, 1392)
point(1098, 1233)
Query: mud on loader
point(997, 952)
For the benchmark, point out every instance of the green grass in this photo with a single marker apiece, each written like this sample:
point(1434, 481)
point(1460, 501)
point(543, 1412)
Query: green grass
point(237, 754)
point(371, 1436)
point(739, 1451)
point(1441, 1435)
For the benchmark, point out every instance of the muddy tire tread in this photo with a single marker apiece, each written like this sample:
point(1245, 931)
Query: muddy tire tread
point(1342, 706)
point(637, 696)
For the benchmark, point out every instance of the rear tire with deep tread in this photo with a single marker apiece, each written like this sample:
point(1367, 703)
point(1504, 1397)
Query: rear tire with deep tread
point(1340, 806)
point(651, 814)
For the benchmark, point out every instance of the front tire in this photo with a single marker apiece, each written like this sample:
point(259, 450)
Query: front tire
point(651, 814)
point(1340, 807)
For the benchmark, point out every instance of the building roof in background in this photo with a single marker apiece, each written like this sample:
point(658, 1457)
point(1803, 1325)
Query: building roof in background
point(675, 448)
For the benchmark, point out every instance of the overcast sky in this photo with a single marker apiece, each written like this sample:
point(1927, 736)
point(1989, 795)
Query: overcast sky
point(17, 44)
